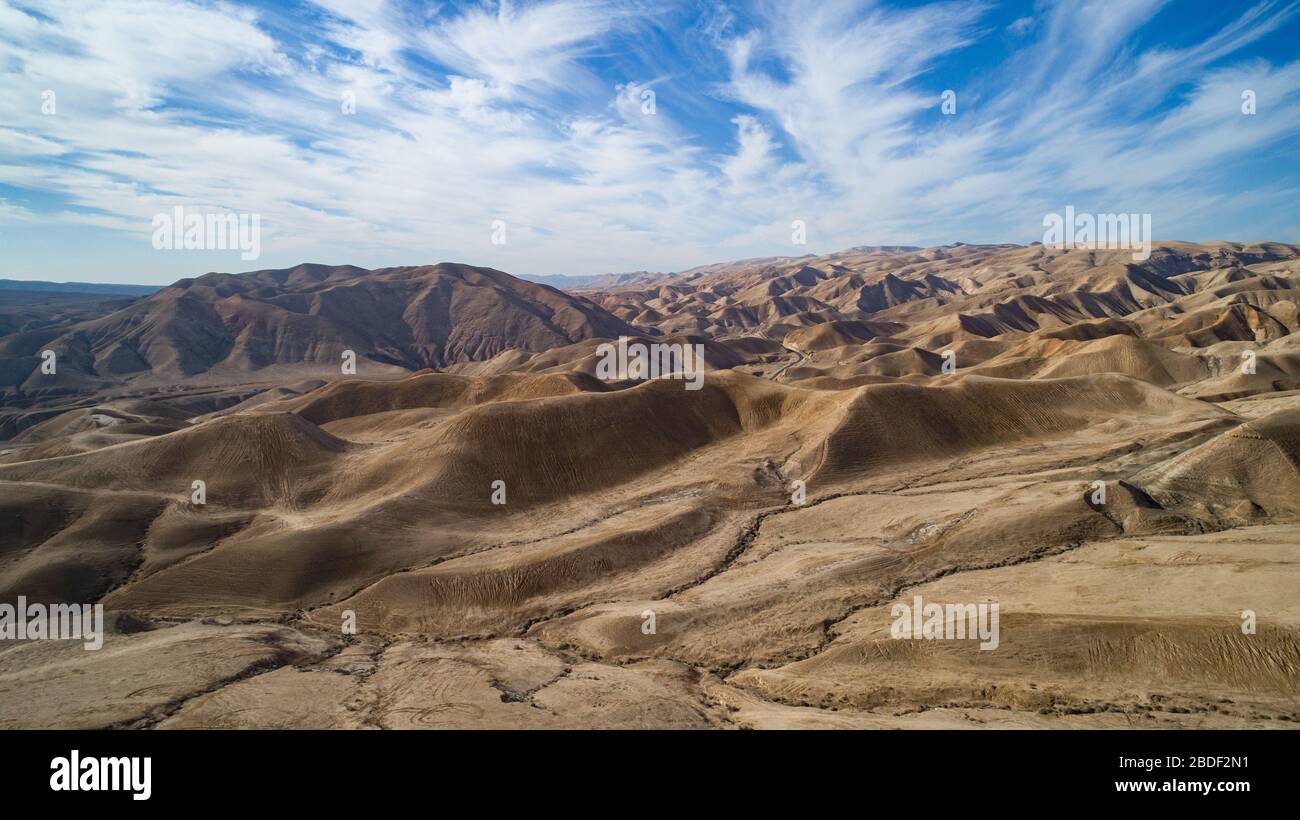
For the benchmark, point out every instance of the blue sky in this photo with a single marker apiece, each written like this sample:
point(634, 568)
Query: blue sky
point(535, 113)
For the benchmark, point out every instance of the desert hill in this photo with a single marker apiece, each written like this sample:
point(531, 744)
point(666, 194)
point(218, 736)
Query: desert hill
point(263, 325)
point(1108, 449)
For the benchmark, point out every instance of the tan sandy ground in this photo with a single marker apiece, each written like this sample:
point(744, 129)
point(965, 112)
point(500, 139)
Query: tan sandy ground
point(372, 498)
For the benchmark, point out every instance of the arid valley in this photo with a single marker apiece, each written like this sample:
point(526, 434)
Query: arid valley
point(474, 527)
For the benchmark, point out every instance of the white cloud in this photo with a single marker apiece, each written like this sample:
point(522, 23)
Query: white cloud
point(518, 45)
point(1021, 26)
point(830, 116)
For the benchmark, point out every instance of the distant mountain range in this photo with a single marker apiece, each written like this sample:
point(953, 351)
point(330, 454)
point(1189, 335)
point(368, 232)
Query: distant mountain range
point(859, 314)
point(95, 288)
point(602, 280)
point(225, 326)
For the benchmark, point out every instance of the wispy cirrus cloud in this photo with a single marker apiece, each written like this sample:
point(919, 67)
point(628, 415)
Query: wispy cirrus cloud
point(532, 113)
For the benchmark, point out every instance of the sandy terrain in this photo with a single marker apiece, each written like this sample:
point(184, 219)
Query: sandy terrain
point(873, 427)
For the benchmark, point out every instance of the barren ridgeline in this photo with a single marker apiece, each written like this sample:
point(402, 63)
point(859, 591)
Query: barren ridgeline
point(969, 485)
